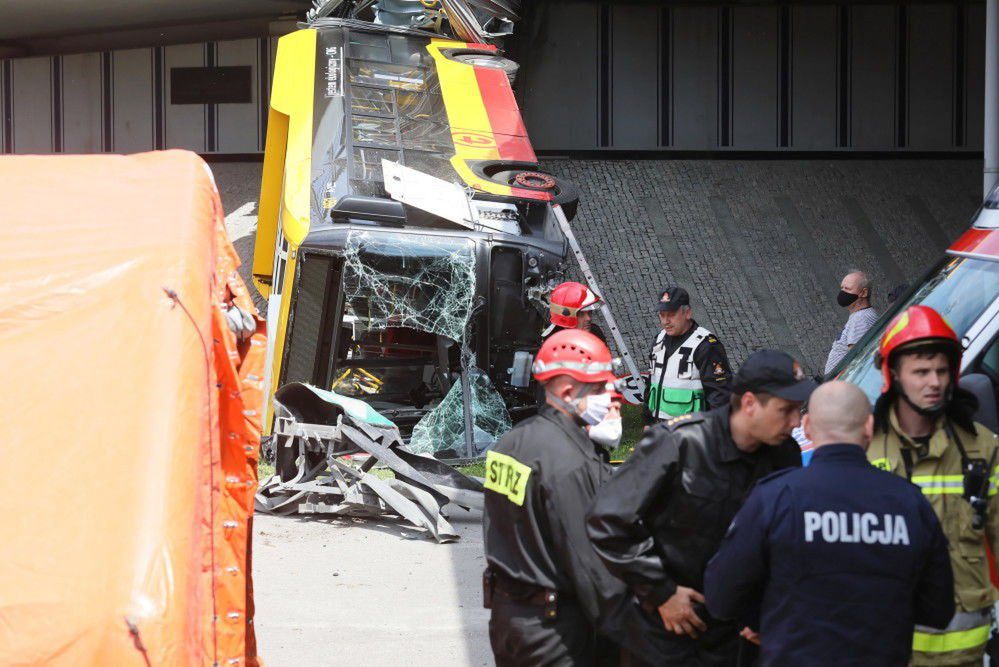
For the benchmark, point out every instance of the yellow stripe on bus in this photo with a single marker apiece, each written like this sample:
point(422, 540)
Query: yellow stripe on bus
point(466, 113)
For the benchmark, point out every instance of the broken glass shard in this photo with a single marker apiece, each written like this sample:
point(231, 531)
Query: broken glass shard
point(443, 428)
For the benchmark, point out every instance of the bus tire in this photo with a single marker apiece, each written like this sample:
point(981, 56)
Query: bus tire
point(562, 192)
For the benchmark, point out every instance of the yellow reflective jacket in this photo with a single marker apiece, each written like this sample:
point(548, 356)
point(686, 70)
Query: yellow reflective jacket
point(940, 477)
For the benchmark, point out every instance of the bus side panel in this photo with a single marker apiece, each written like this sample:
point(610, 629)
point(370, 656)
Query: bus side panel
point(285, 189)
point(270, 201)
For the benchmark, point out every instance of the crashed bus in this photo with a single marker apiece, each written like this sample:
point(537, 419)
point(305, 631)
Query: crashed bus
point(406, 244)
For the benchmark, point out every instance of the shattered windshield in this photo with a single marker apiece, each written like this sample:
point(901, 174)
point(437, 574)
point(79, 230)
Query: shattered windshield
point(394, 281)
point(407, 303)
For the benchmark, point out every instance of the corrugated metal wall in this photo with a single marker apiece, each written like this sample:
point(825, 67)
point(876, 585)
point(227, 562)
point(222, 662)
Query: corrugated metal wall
point(595, 76)
point(863, 77)
point(119, 101)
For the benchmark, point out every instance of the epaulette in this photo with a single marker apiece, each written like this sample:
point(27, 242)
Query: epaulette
point(683, 420)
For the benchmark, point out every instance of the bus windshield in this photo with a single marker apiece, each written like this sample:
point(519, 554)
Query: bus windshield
point(960, 289)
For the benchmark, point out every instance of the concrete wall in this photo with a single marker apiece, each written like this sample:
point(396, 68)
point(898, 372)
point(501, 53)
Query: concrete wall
point(119, 101)
point(707, 77)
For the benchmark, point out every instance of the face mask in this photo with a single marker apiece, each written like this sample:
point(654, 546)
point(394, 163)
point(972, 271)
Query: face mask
point(607, 433)
point(597, 407)
point(845, 299)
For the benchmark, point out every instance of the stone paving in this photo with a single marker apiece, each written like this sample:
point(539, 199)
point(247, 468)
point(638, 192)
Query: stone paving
point(761, 245)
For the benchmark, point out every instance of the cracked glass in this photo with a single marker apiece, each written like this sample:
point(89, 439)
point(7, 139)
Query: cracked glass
point(443, 428)
point(409, 281)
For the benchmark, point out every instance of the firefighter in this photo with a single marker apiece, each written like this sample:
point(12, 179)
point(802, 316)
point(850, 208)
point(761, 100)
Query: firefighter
point(662, 515)
point(688, 367)
point(818, 549)
point(547, 589)
point(571, 306)
point(925, 431)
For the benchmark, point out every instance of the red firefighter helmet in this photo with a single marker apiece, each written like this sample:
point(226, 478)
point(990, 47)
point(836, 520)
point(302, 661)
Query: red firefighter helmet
point(578, 354)
point(914, 327)
point(568, 299)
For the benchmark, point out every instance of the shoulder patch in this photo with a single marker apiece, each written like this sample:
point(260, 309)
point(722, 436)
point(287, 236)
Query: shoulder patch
point(712, 339)
point(507, 476)
point(881, 464)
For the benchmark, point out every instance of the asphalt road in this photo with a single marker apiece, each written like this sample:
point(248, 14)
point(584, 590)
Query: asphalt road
point(367, 593)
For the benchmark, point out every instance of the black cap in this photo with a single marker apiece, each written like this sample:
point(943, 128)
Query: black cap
point(775, 373)
point(671, 299)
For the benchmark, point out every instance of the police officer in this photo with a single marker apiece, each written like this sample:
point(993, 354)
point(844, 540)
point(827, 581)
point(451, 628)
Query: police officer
point(548, 591)
point(840, 559)
point(571, 306)
point(662, 515)
point(925, 431)
point(688, 367)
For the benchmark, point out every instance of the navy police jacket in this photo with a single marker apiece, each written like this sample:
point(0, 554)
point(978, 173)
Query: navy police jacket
point(833, 564)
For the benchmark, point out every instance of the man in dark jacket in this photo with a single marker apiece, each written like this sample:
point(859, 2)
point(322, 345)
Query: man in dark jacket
point(661, 517)
point(843, 558)
point(547, 589)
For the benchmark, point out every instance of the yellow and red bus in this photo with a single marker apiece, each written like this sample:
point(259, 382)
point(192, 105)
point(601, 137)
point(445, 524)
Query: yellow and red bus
point(407, 237)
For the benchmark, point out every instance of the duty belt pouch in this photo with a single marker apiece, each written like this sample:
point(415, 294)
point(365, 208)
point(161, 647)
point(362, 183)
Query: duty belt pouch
point(488, 580)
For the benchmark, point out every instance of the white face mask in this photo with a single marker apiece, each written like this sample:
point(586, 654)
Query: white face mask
point(597, 407)
point(607, 433)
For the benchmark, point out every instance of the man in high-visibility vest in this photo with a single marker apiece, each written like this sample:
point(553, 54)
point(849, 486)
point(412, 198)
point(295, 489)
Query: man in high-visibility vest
point(925, 431)
point(688, 367)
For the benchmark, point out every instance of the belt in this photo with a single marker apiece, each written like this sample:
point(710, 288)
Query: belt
point(496, 584)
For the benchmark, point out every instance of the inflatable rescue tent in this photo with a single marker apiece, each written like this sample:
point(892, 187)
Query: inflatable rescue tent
point(129, 427)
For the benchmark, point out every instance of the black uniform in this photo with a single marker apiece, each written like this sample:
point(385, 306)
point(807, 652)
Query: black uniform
point(844, 558)
point(712, 365)
point(659, 520)
point(540, 478)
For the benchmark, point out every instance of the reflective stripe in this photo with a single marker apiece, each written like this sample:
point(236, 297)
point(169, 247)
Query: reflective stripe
point(677, 383)
point(940, 484)
point(592, 367)
point(950, 641)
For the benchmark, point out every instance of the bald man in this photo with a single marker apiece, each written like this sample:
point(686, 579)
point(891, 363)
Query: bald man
point(835, 563)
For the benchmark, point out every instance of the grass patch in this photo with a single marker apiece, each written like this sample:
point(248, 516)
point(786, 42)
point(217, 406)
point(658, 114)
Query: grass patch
point(477, 469)
point(634, 425)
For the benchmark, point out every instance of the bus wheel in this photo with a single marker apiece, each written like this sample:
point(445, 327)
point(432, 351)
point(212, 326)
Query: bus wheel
point(563, 193)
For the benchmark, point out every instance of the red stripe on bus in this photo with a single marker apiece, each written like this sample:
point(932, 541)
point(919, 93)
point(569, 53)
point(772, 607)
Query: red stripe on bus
point(504, 115)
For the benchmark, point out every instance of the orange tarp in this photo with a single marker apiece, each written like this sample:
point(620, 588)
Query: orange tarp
point(129, 420)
